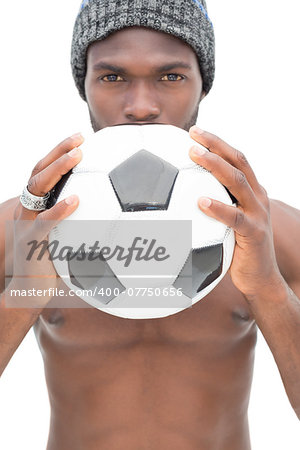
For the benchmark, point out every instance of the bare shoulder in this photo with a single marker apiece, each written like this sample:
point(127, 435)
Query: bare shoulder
point(286, 230)
point(7, 210)
point(7, 213)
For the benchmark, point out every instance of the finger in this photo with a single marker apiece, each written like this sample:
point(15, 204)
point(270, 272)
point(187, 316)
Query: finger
point(231, 216)
point(44, 221)
point(234, 157)
point(62, 148)
point(51, 217)
point(235, 180)
point(45, 180)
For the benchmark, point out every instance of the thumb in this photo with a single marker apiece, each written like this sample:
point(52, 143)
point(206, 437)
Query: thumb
point(48, 219)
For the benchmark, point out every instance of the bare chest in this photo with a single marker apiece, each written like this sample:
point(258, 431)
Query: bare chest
point(219, 320)
point(189, 373)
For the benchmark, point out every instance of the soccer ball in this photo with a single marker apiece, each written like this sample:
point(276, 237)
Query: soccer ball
point(138, 246)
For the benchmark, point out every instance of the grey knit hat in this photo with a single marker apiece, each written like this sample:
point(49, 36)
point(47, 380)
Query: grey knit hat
point(185, 19)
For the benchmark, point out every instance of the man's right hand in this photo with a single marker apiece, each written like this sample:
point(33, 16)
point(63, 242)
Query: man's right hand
point(35, 226)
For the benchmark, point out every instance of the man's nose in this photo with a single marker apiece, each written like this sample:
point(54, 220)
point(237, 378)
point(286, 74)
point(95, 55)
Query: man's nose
point(141, 104)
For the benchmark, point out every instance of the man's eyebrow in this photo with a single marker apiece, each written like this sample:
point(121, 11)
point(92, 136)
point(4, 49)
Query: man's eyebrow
point(103, 65)
point(173, 65)
point(165, 68)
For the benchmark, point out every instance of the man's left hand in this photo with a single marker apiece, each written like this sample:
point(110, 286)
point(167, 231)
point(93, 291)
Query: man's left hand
point(254, 268)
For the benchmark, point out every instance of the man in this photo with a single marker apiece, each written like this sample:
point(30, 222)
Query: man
point(182, 381)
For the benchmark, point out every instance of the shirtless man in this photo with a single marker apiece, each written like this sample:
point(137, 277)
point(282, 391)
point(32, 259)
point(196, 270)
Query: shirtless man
point(180, 382)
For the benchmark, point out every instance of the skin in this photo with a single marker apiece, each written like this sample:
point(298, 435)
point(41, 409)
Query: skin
point(142, 92)
point(182, 381)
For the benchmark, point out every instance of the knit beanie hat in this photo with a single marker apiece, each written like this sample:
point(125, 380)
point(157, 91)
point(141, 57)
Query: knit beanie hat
point(185, 19)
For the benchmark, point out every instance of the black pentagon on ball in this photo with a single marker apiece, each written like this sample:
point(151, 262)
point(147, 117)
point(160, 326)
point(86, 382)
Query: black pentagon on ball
point(143, 182)
point(90, 271)
point(203, 266)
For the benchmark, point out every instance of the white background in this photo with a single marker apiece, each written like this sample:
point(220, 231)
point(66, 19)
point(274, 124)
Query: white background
point(254, 105)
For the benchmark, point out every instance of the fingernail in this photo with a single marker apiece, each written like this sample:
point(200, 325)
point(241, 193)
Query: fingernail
point(197, 130)
point(74, 152)
point(198, 150)
point(205, 202)
point(76, 135)
point(71, 200)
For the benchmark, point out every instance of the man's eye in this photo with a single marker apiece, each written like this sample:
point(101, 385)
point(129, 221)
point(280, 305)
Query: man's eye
point(172, 77)
point(112, 77)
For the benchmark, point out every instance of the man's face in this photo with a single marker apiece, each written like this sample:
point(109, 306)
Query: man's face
point(138, 75)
